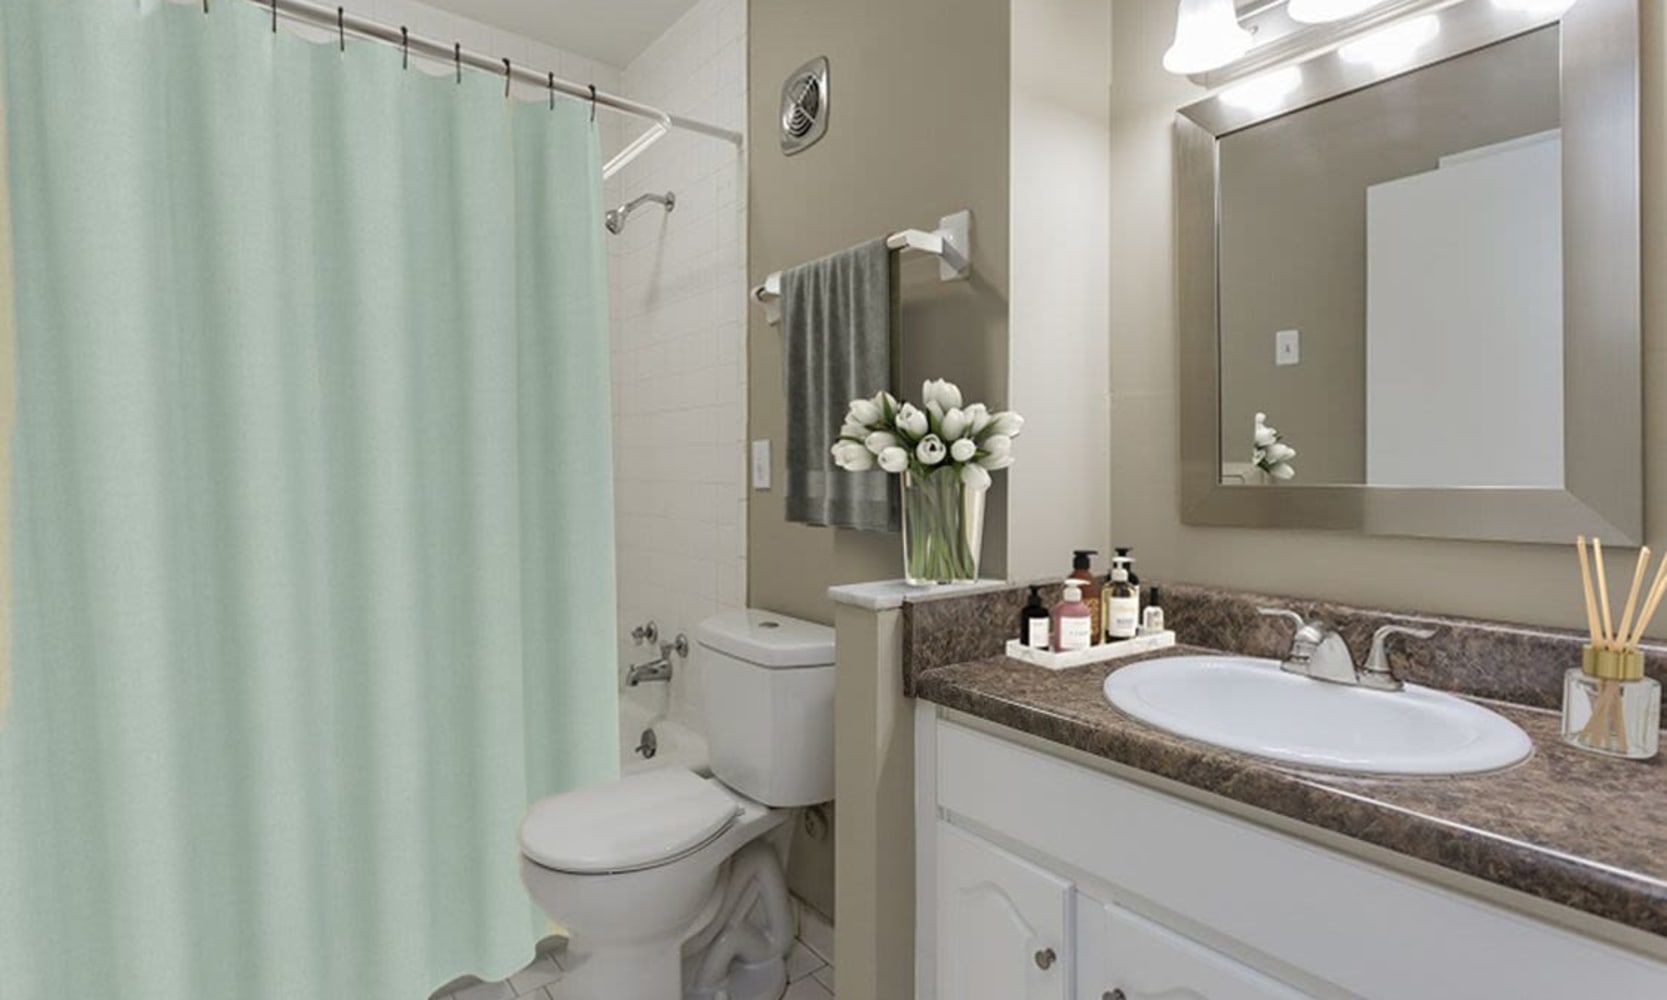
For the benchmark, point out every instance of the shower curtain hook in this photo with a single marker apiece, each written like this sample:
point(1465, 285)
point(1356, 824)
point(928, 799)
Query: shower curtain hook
point(404, 47)
point(552, 91)
point(593, 103)
point(457, 56)
point(341, 26)
point(274, 17)
point(205, 6)
point(509, 74)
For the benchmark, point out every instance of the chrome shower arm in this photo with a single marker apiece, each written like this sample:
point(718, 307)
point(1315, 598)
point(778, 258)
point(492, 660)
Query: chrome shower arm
point(668, 199)
point(615, 219)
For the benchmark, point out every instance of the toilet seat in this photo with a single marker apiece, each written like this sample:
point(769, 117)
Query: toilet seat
point(638, 822)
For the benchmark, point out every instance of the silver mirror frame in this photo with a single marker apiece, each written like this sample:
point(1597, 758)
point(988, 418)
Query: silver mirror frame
point(1603, 492)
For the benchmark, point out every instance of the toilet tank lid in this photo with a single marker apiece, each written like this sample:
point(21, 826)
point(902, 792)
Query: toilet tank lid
point(767, 639)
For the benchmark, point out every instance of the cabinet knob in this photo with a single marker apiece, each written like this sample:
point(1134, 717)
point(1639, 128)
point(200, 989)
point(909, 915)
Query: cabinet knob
point(1045, 959)
point(1113, 995)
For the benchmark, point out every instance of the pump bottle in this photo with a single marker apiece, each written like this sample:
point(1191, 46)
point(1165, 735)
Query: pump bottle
point(1073, 623)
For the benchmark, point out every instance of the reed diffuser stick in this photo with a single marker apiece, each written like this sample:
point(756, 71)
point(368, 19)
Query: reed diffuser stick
point(1586, 588)
point(1657, 589)
point(1632, 596)
point(1603, 592)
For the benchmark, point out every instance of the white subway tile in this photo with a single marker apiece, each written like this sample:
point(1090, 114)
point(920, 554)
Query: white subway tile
point(677, 292)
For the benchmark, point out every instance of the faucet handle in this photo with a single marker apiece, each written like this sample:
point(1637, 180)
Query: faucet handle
point(1286, 613)
point(1376, 673)
point(648, 631)
point(1308, 635)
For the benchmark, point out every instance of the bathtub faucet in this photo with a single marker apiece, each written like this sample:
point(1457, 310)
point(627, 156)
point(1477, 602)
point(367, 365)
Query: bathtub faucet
point(659, 669)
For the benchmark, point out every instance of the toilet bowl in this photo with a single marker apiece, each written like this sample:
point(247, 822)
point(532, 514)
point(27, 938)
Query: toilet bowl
point(666, 880)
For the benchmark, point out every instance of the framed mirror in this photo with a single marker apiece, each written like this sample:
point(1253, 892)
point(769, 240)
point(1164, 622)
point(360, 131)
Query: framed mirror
point(1409, 281)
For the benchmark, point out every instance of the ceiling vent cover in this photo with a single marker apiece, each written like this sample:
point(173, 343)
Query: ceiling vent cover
point(804, 106)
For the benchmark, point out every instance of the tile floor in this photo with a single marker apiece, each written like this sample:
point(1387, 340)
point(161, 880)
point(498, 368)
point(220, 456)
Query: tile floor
point(810, 969)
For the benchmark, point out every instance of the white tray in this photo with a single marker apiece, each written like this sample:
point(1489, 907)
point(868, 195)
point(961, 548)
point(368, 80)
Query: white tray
point(1093, 654)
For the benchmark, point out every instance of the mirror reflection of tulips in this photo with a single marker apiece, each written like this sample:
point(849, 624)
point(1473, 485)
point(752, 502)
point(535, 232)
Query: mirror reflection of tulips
point(1272, 455)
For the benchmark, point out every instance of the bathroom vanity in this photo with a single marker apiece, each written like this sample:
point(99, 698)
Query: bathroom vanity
point(1065, 851)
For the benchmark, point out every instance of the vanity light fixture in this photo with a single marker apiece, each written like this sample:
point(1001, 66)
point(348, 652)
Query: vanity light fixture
point(1265, 92)
point(1393, 46)
point(1207, 36)
point(1325, 11)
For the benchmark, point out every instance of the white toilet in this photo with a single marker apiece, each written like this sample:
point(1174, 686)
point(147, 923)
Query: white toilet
point(665, 880)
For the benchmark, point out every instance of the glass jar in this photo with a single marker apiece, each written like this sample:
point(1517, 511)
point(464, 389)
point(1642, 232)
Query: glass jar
point(1618, 718)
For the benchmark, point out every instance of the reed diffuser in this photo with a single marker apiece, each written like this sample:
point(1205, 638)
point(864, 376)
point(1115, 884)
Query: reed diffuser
point(1609, 706)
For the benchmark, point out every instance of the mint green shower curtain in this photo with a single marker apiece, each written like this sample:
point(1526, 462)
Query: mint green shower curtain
point(311, 508)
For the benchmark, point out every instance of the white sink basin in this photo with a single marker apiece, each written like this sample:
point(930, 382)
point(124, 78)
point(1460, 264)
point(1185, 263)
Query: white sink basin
point(1252, 706)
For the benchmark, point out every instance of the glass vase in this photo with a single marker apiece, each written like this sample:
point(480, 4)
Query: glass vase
point(943, 526)
point(1614, 717)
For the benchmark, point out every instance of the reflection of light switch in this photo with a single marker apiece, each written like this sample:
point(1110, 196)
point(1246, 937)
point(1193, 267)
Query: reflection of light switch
point(1287, 347)
point(761, 465)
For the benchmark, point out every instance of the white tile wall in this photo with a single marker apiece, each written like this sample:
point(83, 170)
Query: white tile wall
point(679, 297)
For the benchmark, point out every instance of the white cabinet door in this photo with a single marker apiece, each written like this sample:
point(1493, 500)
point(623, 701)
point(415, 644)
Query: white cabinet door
point(1004, 926)
point(1123, 956)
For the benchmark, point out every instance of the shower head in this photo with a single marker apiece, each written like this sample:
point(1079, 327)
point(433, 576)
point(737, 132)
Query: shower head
point(615, 219)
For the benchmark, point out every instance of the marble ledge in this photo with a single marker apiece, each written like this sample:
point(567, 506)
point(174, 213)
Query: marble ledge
point(890, 595)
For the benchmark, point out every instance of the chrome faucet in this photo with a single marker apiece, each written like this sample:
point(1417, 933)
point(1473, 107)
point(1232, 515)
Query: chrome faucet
point(1318, 651)
point(658, 669)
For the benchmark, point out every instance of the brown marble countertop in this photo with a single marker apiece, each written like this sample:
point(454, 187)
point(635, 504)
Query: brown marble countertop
point(1565, 826)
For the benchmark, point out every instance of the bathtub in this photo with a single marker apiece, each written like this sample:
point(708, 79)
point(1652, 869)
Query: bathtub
point(676, 745)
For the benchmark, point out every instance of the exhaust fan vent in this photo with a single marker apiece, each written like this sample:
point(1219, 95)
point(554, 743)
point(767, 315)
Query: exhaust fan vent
point(804, 106)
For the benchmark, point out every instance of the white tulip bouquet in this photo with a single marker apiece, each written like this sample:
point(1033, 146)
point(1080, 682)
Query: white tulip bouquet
point(945, 452)
point(1271, 454)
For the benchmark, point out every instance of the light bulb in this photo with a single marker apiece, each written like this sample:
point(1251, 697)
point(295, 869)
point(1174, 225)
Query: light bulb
point(1393, 46)
point(1207, 36)
point(1265, 92)
point(1323, 11)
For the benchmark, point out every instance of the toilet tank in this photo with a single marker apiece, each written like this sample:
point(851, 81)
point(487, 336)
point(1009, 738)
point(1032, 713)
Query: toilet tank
point(769, 696)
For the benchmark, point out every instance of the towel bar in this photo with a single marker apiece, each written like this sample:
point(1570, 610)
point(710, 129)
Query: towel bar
point(951, 243)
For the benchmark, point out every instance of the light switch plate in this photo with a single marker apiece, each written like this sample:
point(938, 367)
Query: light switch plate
point(1287, 347)
point(761, 464)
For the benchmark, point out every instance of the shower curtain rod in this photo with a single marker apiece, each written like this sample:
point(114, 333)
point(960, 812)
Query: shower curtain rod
point(339, 20)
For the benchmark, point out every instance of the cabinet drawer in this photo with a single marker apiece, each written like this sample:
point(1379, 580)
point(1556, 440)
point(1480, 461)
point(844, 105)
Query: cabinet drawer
point(1120, 950)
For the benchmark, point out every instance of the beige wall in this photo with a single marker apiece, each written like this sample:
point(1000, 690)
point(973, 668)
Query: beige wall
point(1513, 582)
point(918, 129)
point(1058, 369)
point(8, 419)
point(1294, 237)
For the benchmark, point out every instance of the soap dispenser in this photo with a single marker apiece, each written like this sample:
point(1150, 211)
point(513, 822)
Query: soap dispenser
point(1082, 569)
point(1134, 580)
point(1072, 622)
point(1035, 623)
point(1122, 603)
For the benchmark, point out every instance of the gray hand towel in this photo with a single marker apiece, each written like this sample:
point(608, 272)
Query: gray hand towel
point(838, 318)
